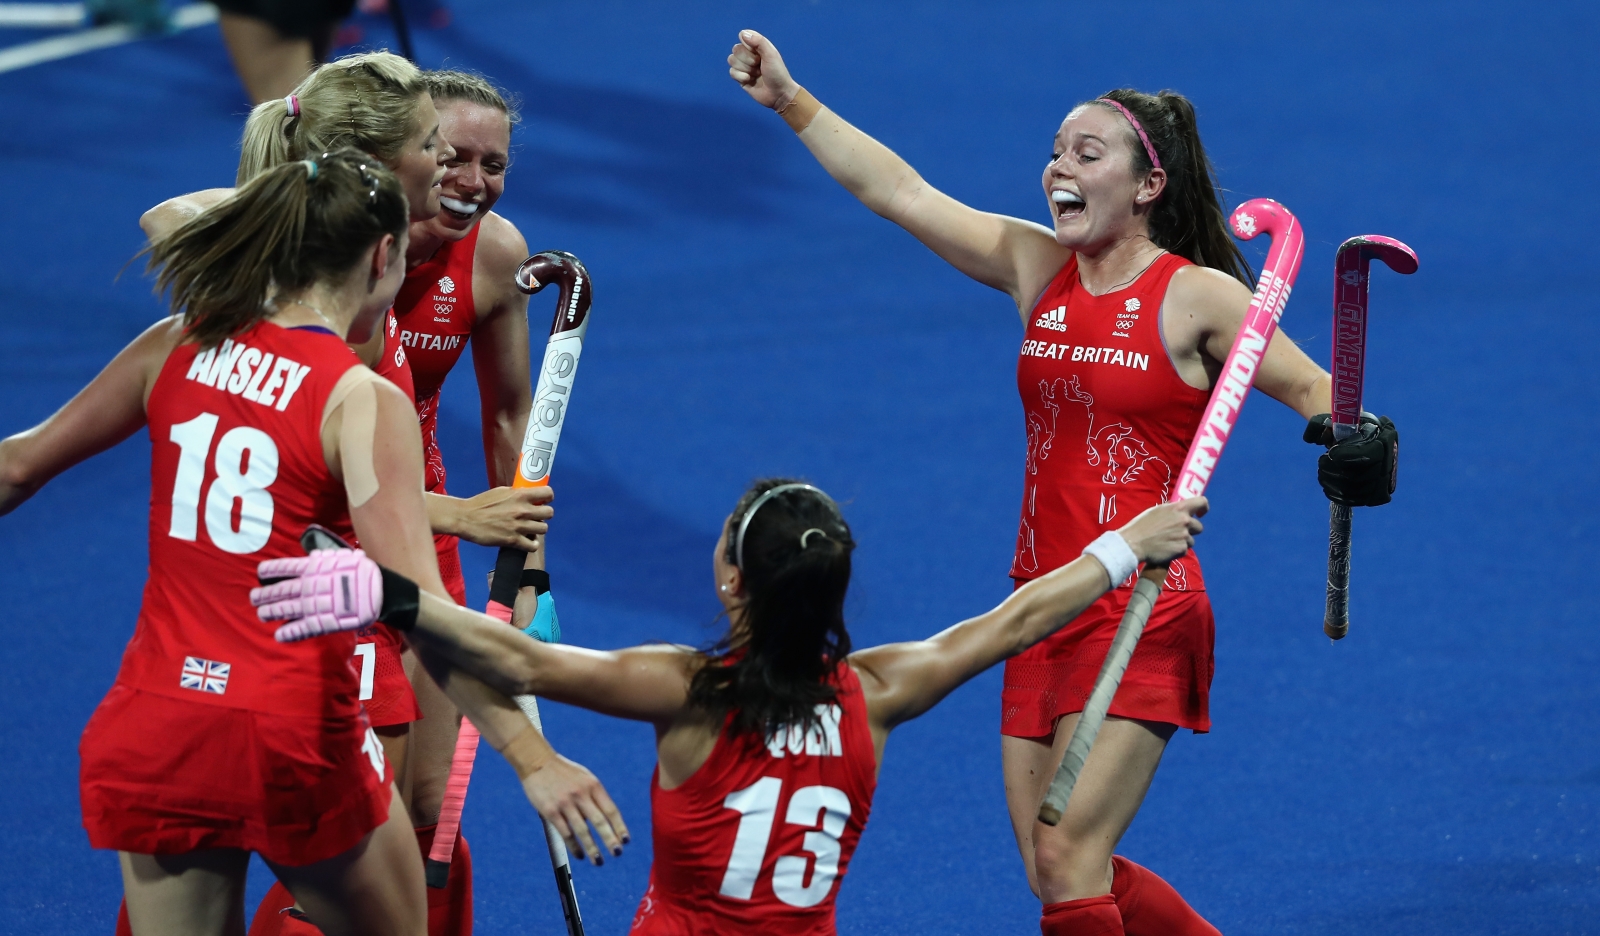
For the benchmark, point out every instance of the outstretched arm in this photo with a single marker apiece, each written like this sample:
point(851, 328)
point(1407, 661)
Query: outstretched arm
point(173, 213)
point(108, 410)
point(901, 681)
point(1014, 256)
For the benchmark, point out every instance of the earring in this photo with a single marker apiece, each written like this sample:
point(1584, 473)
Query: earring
point(722, 587)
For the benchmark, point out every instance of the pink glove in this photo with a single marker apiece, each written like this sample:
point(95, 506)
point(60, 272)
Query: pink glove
point(328, 591)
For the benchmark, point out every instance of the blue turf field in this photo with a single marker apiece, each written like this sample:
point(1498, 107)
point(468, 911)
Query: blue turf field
point(1435, 773)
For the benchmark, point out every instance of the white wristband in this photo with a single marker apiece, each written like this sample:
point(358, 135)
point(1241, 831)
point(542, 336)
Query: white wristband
point(1112, 551)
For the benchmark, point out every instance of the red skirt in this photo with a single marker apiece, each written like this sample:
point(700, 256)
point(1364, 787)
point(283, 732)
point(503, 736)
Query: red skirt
point(385, 691)
point(164, 776)
point(1168, 678)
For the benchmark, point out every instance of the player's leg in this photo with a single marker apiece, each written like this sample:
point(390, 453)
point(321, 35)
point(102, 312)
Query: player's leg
point(1073, 859)
point(374, 888)
point(1026, 764)
point(269, 63)
point(198, 893)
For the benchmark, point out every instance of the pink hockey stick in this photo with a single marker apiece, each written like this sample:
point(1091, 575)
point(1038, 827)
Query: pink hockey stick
point(1257, 216)
point(1349, 371)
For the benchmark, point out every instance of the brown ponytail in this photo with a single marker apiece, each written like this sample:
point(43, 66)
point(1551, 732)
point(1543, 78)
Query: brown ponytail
point(282, 231)
point(1188, 219)
point(367, 102)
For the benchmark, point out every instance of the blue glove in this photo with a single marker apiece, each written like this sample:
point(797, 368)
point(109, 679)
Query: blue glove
point(545, 626)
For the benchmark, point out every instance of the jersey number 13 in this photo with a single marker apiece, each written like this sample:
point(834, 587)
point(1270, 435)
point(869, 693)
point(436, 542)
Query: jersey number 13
point(757, 806)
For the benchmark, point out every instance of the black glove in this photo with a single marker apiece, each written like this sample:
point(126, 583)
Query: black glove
point(1360, 471)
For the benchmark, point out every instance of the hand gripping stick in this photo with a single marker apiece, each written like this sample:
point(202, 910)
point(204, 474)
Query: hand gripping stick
point(1349, 371)
point(550, 397)
point(1257, 216)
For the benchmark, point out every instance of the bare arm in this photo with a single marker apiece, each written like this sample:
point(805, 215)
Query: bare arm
point(649, 683)
point(173, 213)
point(374, 446)
point(1205, 309)
point(108, 410)
point(500, 347)
point(1014, 256)
point(901, 681)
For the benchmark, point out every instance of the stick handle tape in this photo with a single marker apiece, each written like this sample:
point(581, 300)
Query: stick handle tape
point(1336, 619)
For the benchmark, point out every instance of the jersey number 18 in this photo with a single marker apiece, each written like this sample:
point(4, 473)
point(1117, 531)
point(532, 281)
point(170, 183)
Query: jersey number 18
point(246, 463)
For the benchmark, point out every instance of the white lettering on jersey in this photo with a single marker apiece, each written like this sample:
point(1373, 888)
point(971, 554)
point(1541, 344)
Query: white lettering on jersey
point(822, 739)
point(1055, 319)
point(1053, 351)
point(245, 371)
point(427, 342)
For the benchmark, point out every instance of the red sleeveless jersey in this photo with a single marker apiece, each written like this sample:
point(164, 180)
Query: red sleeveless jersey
point(759, 837)
point(1109, 419)
point(237, 472)
point(437, 315)
point(393, 366)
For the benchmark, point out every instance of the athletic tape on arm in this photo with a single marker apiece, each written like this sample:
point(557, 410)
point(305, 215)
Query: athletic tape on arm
point(359, 425)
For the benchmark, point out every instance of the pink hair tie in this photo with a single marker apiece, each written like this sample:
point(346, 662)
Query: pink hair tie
point(1155, 161)
point(294, 110)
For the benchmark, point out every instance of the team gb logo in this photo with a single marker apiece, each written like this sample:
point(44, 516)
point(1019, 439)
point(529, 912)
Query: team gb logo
point(1132, 305)
point(447, 285)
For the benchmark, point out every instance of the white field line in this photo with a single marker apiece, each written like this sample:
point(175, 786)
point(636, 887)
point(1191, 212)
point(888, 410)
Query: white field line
point(41, 15)
point(60, 47)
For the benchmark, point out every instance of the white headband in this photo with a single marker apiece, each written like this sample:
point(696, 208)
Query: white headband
point(738, 542)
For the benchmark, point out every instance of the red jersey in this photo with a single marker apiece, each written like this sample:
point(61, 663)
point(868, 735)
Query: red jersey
point(759, 837)
point(1109, 419)
point(437, 315)
point(393, 366)
point(237, 472)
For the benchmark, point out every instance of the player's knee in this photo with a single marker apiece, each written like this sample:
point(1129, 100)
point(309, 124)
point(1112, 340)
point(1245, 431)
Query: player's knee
point(1070, 866)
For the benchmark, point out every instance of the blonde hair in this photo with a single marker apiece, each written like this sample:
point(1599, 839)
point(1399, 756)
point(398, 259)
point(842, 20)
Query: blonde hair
point(448, 85)
point(367, 102)
point(284, 230)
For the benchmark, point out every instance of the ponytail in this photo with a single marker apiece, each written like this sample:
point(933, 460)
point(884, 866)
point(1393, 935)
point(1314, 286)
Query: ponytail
point(1187, 219)
point(284, 230)
point(367, 102)
point(796, 571)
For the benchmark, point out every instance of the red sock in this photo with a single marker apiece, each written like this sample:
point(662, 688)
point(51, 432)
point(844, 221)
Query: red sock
point(1089, 916)
point(1149, 905)
point(449, 908)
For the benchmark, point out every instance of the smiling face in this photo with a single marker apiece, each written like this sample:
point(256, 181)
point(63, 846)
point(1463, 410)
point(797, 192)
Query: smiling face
point(476, 177)
point(1095, 198)
point(421, 164)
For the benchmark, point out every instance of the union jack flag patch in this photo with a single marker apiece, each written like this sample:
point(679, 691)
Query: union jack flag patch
point(204, 675)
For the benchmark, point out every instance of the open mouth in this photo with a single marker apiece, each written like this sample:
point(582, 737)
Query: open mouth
point(1067, 204)
point(460, 210)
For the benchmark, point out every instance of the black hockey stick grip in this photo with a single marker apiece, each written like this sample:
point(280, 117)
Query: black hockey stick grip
point(1143, 600)
point(1336, 619)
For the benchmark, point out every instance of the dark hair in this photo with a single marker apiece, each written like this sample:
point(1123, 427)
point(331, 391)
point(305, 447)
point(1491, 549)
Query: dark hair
point(452, 85)
point(287, 228)
point(796, 571)
point(1187, 219)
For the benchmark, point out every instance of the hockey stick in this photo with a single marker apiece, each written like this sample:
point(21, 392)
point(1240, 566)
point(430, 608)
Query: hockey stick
point(402, 30)
point(1349, 370)
point(550, 398)
point(1257, 216)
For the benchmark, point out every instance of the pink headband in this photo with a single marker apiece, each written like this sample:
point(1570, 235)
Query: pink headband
point(1155, 161)
point(294, 110)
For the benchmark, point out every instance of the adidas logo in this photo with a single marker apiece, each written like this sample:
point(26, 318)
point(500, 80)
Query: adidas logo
point(1055, 319)
point(447, 285)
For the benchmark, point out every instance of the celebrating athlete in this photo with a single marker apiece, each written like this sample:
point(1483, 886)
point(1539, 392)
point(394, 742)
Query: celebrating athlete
point(1129, 306)
point(768, 745)
point(216, 741)
point(460, 286)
